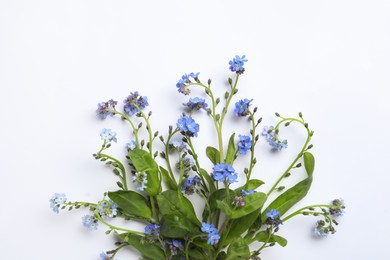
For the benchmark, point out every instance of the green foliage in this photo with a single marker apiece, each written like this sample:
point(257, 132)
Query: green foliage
point(144, 162)
point(213, 154)
point(146, 248)
point(132, 203)
point(233, 219)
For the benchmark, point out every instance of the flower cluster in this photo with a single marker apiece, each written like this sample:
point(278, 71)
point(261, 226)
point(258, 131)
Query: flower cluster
point(224, 173)
point(189, 185)
point(273, 218)
point(245, 144)
point(174, 246)
point(188, 126)
point(108, 209)
point(212, 233)
point(90, 222)
point(182, 83)
point(196, 104)
point(152, 229)
point(178, 145)
point(107, 135)
point(237, 64)
point(134, 103)
point(242, 107)
point(272, 138)
point(339, 209)
point(106, 108)
point(56, 201)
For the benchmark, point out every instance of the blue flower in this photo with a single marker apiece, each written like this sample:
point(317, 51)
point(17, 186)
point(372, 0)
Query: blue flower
point(90, 222)
point(272, 138)
point(108, 135)
point(189, 185)
point(134, 102)
point(152, 229)
point(213, 236)
point(182, 83)
point(237, 64)
point(56, 200)
point(224, 172)
point(106, 108)
point(188, 126)
point(242, 107)
point(108, 209)
point(174, 246)
point(245, 144)
point(178, 144)
point(273, 214)
point(140, 179)
point(247, 192)
point(196, 104)
point(131, 145)
point(268, 133)
point(104, 256)
point(273, 218)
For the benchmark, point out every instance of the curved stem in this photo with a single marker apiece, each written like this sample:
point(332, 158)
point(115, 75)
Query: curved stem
point(120, 166)
point(148, 127)
point(135, 130)
point(299, 155)
point(167, 155)
point(112, 227)
point(299, 211)
point(195, 156)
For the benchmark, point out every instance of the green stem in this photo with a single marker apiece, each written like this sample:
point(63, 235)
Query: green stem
point(112, 227)
point(224, 112)
point(167, 155)
point(154, 212)
point(135, 130)
point(149, 130)
point(195, 156)
point(188, 244)
point(120, 166)
point(299, 155)
point(214, 116)
point(299, 211)
point(251, 165)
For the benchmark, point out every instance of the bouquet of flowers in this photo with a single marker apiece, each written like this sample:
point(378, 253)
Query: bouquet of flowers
point(236, 223)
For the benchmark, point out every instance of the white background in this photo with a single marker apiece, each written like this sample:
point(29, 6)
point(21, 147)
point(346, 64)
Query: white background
point(58, 59)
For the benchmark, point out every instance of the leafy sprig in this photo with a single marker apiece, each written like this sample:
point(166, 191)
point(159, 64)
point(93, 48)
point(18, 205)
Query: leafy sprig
point(235, 223)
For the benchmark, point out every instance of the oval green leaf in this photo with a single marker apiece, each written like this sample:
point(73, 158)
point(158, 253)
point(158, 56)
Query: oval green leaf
point(132, 203)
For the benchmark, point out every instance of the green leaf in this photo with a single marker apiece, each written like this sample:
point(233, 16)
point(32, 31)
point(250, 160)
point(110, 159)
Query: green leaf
point(231, 152)
point(253, 202)
point(132, 203)
point(238, 226)
point(219, 195)
point(213, 154)
point(144, 162)
point(170, 183)
point(263, 237)
point(222, 256)
point(250, 185)
point(309, 162)
point(176, 226)
point(208, 178)
point(290, 197)
point(146, 248)
point(238, 249)
point(170, 203)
